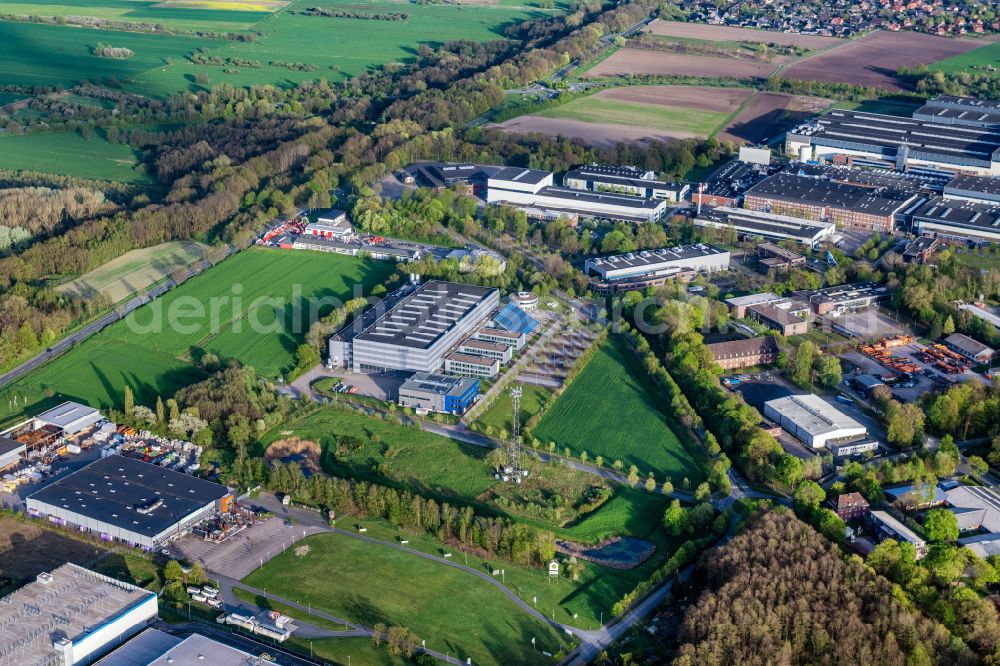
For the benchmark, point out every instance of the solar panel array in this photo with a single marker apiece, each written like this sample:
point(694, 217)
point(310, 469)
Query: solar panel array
point(513, 318)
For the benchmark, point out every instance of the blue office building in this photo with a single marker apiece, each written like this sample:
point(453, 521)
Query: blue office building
point(439, 393)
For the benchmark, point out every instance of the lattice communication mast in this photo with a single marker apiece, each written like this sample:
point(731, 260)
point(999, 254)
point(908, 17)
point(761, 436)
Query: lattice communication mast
point(515, 471)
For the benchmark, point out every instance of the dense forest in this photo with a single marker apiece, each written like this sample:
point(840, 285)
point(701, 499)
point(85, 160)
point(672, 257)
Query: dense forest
point(781, 594)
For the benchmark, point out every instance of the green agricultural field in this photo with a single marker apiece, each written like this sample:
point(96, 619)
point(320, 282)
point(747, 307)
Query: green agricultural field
point(153, 350)
point(334, 47)
point(141, 11)
point(973, 62)
point(135, 270)
point(52, 55)
point(450, 609)
point(498, 416)
point(608, 411)
point(636, 114)
point(69, 154)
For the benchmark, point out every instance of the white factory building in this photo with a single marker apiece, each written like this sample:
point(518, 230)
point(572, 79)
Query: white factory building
point(651, 263)
point(413, 330)
point(812, 420)
point(71, 616)
point(531, 188)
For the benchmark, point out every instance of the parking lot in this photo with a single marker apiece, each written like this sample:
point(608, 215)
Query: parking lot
point(242, 553)
point(552, 362)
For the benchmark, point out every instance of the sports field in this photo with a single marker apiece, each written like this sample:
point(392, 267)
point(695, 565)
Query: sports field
point(135, 270)
point(608, 411)
point(69, 154)
point(232, 310)
point(450, 609)
point(977, 61)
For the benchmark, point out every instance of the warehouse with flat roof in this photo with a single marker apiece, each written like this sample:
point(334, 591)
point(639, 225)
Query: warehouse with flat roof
point(848, 297)
point(812, 420)
point(413, 330)
point(879, 140)
point(71, 616)
point(977, 189)
point(957, 219)
point(157, 648)
point(124, 499)
point(700, 257)
point(953, 110)
point(750, 223)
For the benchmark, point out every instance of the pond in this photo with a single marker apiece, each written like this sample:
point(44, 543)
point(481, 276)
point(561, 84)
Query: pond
point(617, 552)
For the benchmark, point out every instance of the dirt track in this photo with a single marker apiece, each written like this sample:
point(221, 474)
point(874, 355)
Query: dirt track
point(596, 134)
point(705, 98)
point(659, 63)
point(732, 33)
point(872, 60)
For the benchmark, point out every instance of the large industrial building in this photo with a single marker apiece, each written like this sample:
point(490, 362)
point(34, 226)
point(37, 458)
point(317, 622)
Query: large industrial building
point(967, 111)
point(531, 188)
point(439, 393)
point(71, 616)
point(124, 499)
point(847, 205)
point(957, 219)
point(413, 329)
point(977, 189)
point(750, 223)
point(645, 268)
point(157, 648)
point(877, 140)
point(812, 420)
point(624, 180)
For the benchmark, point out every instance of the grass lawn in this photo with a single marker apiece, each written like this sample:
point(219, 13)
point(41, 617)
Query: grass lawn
point(130, 568)
point(984, 56)
point(69, 154)
point(412, 458)
point(152, 350)
point(436, 466)
point(498, 416)
point(609, 411)
point(636, 114)
point(450, 609)
point(362, 651)
point(135, 270)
